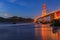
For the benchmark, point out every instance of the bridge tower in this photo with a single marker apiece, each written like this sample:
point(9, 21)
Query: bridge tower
point(35, 18)
point(44, 12)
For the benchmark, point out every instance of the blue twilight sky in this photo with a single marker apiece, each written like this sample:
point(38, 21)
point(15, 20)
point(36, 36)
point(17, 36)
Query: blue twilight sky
point(26, 8)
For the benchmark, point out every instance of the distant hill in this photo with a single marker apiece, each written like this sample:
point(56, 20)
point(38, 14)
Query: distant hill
point(16, 19)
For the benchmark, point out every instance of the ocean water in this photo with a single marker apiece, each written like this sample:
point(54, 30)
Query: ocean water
point(27, 31)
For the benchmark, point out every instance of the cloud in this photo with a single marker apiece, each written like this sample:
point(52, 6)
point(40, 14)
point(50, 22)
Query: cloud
point(12, 1)
point(1, 4)
point(25, 4)
point(22, 3)
point(5, 15)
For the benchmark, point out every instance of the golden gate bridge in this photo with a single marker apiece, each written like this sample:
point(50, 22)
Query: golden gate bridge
point(54, 15)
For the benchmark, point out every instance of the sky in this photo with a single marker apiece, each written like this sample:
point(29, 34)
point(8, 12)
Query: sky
point(26, 8)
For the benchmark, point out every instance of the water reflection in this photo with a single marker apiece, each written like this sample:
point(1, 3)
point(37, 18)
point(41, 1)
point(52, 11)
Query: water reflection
point(44, 32)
